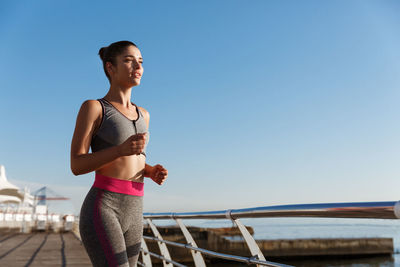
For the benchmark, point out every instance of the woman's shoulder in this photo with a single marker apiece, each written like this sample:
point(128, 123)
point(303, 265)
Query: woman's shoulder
point(91, 104)
point(91, 108)
point(145, 113)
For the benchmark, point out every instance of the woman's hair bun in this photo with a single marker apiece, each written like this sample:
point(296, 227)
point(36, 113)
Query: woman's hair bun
point(102, 53)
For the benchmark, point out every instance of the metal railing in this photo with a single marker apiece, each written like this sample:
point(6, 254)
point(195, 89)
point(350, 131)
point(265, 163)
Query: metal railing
point(375, 210)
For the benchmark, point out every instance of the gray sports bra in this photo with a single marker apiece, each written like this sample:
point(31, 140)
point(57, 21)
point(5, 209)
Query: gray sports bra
point(115, 128)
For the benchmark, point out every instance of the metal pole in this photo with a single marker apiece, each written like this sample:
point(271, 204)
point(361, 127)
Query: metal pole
point(163, 247)
point(145, 256)
point(197, 257)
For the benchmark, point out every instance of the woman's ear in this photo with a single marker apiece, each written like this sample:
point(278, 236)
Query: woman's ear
point(109, 67)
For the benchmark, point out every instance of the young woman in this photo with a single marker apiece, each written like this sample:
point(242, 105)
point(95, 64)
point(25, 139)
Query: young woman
point(116, 129)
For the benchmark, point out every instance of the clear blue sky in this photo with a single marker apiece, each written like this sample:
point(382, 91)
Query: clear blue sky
point(252, 103)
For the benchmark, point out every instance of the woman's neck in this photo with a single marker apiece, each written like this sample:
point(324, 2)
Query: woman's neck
point(119, 95)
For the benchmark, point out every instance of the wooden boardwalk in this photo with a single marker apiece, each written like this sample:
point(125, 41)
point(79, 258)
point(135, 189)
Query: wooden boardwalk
point(42, 249)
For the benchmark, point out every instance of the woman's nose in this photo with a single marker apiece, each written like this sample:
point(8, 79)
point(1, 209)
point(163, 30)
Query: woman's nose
point(136, 65)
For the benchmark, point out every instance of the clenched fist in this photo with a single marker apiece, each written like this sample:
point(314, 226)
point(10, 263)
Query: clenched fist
point(134, 145)
point(158, 174)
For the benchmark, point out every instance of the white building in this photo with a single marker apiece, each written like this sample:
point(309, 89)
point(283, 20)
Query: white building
point(11, 194)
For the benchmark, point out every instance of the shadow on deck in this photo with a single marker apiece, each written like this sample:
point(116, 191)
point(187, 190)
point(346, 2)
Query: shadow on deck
point(41, 249)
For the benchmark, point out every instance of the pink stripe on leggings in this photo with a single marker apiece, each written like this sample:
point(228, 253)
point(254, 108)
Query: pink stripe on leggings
point(118, 186)
point(101, 233)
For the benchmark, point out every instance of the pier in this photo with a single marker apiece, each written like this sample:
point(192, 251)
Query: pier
point(31, 236)
point(48, 248)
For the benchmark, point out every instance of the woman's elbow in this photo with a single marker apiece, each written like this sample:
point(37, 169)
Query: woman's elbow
point(76, 173)
point(75, 170)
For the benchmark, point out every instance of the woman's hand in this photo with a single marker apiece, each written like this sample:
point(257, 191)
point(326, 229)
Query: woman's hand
point(158, 174)
point(134, 145)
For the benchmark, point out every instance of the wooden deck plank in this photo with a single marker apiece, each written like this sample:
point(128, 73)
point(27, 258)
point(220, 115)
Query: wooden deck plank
point(17, 248)
point(42, 249)
point(49, 253)
point(75, 252)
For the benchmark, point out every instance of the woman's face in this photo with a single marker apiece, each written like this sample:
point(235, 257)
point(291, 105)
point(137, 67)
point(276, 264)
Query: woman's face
point(128, 69)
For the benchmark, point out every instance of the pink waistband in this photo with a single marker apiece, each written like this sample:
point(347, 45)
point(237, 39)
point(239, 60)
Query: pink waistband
point(118, 185)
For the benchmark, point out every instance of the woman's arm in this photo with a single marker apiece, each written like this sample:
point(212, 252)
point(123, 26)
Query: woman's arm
point(157, 173)
point(82, 162)
point(147, 170)
point(88, 120)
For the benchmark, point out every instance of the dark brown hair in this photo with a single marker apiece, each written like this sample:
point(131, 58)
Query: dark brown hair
point(109, 53)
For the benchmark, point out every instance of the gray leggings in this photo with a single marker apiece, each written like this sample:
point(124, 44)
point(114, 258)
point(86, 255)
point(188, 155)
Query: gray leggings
point(111, 227)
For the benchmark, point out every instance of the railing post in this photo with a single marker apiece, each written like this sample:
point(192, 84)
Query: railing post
point(145, 256)
point(251, 243)
point(163, 247)
point(197, 257)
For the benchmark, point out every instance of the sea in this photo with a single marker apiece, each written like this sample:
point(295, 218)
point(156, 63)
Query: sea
point(301, 228)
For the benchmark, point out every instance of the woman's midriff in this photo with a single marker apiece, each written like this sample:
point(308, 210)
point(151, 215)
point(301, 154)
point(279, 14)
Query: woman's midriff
point(126, 168)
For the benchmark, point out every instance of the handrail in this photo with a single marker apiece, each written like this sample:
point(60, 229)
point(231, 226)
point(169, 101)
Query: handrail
point(381, 210)
point(251, 260)
point(163, 258)
point(376, 210)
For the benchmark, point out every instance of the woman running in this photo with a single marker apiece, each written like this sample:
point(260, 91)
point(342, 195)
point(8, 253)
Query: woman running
point(116, 129)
